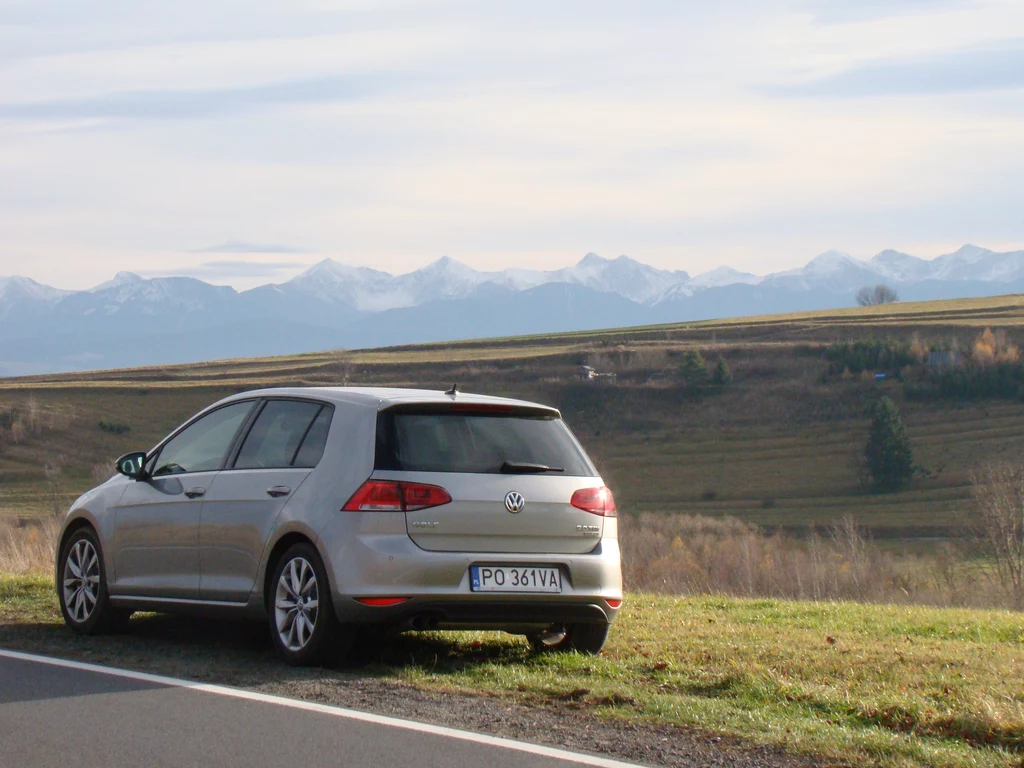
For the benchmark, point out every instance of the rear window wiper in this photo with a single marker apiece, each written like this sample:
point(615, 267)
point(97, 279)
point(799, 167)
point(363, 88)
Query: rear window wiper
point(523, 468)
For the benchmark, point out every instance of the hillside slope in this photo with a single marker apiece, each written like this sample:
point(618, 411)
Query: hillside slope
point(778, 446)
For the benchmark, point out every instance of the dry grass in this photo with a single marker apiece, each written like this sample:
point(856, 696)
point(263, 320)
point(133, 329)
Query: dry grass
point(997, 526)
point(692, 555)
point(27, 547)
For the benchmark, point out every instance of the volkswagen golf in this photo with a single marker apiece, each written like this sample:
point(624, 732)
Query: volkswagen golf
point(326, 511)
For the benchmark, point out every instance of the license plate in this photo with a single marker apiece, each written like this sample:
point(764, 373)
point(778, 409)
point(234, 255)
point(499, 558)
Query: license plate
point(514, 578)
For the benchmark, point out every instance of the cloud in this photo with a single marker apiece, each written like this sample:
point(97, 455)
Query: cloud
point(228, 270)
point(843, 11)
point(996, 67)
point(201, 103)
point(240, 246)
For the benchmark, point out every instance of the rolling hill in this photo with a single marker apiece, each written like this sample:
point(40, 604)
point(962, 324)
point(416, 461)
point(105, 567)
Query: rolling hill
point(778, 446)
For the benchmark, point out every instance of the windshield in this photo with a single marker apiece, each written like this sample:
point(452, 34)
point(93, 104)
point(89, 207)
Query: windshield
point(483, 443)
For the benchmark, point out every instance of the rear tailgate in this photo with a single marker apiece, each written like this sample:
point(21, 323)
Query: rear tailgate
point(511, 473)
point(478, 520)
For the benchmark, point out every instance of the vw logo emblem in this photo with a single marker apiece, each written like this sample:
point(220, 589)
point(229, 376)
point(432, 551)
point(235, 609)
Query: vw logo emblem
point(514, 502)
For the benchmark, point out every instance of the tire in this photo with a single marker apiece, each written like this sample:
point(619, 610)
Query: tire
point(303, 626)
point(82, 587)
point(584, 638)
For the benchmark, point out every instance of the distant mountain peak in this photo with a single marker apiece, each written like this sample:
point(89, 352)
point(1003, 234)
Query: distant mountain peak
point(17, 286)
point(119, 279)
point(592, 260)
point(326, 266)
point(832, 256)
point(972, 252)
point(721, 276)
point(446, 264)
point(889, 255)
point(335, 270)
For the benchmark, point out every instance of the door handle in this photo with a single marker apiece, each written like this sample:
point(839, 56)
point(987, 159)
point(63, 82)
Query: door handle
point(195, 493)
point(279, 490)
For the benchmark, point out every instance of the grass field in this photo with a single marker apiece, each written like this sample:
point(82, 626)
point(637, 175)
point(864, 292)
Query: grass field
point(844, 683)
point(776, 447)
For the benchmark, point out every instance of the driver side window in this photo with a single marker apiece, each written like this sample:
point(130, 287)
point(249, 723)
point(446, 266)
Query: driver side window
point(203, 445)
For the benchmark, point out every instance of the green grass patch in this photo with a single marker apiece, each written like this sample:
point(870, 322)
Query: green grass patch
point(28, 600)
point(865, 684)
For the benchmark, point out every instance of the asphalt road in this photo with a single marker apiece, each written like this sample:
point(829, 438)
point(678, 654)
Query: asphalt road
point(57, 713)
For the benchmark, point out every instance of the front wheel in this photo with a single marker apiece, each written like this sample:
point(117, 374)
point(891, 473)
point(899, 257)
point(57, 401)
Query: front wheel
point(302, 621)
point(585, 638)
point(82, 589)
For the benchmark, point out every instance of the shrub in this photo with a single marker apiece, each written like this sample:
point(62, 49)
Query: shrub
point(721, 375)
point(992, 368)
point(997, 526)
point(993, 348)
point(1003, 380)
point(9, 417)
point(114, 428)
point(871, 355)
point(693, 367)
point(888, 456)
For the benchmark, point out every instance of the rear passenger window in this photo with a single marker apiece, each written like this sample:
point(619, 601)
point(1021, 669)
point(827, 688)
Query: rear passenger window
point(312, 447)
point(275, 438)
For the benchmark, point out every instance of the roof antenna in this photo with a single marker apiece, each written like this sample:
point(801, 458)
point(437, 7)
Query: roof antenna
point(453, 391)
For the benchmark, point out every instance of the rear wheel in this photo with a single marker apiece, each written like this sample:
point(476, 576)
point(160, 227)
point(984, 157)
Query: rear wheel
point(302, 621)
point(585, 638)
point(82, 589)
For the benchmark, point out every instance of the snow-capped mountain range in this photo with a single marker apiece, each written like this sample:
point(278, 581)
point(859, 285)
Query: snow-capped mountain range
point(131, 320)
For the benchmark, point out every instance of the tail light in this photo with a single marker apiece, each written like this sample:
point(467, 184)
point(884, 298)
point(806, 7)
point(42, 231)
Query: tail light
point(389, 496)
point(596, 501)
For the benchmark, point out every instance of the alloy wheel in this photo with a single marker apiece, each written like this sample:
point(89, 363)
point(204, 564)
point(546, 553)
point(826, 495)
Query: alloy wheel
point(296, 604)
point(81, 580)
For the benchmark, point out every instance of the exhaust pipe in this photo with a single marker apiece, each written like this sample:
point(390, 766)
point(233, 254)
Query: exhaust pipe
point(425, 623)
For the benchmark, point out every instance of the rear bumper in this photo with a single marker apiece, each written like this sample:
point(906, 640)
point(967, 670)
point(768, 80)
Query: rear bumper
point(419, 613)
point(388, 564)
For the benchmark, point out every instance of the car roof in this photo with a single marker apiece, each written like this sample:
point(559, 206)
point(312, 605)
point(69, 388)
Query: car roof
point(380, 398)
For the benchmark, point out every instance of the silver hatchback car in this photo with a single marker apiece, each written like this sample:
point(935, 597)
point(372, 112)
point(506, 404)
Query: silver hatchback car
point(329, 509)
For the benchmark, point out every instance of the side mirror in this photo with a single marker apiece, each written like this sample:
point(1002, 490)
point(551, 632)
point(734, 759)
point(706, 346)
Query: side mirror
point(132, 465)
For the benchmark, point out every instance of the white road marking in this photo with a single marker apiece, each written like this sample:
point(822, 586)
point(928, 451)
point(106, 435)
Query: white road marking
point(348, 714)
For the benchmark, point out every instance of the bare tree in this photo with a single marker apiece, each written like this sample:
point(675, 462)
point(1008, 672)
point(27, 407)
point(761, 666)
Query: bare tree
point(998, 526)
point(880, 294)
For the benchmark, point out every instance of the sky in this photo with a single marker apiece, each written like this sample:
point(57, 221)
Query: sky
point(240, 141)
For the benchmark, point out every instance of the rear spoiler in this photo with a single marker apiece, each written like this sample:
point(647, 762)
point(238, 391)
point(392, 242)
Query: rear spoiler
point(481, 409)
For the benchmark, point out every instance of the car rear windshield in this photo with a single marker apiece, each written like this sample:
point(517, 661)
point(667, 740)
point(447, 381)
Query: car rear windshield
point(484, 442)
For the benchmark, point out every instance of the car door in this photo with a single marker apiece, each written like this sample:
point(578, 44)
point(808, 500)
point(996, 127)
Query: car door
point(156, 529)
point(245, 500)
